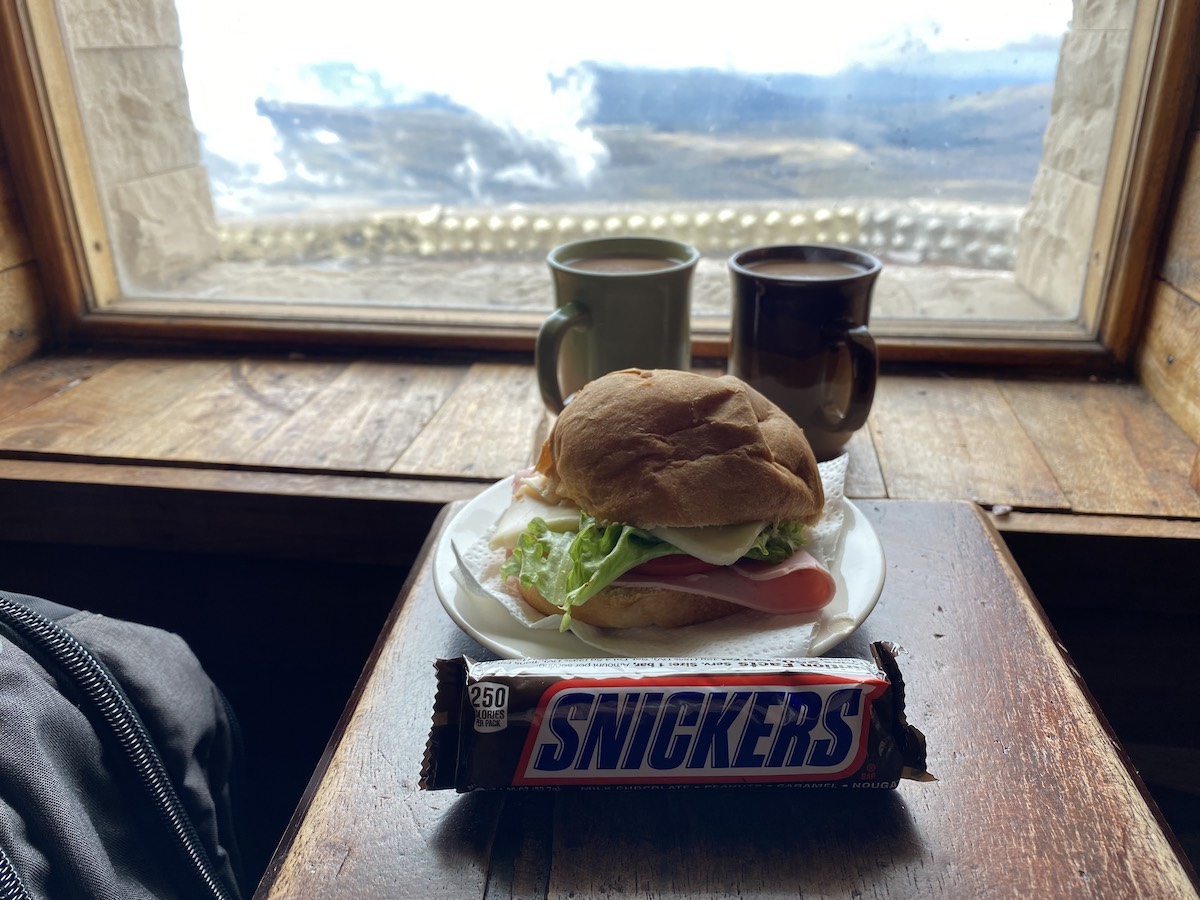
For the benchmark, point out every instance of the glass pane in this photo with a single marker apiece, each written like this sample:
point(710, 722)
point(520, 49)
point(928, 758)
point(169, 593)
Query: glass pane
point(420, 155)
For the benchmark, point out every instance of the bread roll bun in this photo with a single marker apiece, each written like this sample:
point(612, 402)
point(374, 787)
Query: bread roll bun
point(618, 606)
point(666, 448)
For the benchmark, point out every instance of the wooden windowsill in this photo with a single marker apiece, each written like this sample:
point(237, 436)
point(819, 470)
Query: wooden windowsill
point(345, 457)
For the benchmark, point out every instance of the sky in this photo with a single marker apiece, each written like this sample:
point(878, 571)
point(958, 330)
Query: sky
point(494, 57)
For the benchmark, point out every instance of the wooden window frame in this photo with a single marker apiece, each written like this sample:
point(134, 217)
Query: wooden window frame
point(45, 145)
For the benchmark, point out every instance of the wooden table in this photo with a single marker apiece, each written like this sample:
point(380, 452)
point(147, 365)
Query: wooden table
point(1034, 797)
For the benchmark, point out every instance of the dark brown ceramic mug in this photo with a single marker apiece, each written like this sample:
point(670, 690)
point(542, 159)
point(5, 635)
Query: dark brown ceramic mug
point(799, 335)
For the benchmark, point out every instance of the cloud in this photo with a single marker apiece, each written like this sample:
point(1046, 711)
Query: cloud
point(518, 64)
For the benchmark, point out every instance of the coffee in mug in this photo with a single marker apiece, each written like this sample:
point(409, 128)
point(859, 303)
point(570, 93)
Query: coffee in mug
point(799, 336)
point(621, 302)
point(619, 263)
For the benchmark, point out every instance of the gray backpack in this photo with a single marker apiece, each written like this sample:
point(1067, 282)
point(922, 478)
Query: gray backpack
point(117, 761)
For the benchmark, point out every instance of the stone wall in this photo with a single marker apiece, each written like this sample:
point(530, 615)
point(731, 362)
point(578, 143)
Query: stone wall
point(144, 149)
point(1055, 237)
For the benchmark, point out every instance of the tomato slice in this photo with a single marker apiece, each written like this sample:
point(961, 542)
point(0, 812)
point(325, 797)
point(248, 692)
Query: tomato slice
point(674, 564)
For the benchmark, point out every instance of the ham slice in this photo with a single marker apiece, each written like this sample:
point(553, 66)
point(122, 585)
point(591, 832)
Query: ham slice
point(799, 584)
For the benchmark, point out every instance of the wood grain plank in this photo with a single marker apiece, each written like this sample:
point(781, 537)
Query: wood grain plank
point(864, 478)
point(304, 524)
point(363, 420)
point(82, 419)
point(53, 475)
point(1169, 357)
point(22, 322)
point(1181, 260)
point(14, 237)
point(490, 427)
point(1097, 526)
point(258, 512)
point(957, 439)
point(1146, 458)
point(221, 416)
point(32, 382)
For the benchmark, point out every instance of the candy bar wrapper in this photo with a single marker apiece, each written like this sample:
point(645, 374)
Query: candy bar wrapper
point(529, 723)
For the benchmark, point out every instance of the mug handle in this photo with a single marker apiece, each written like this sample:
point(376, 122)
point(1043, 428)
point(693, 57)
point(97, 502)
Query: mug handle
point(549, 342)
point(864, 370)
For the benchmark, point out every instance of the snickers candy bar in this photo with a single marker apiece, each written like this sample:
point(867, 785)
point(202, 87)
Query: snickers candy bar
point(529, 723)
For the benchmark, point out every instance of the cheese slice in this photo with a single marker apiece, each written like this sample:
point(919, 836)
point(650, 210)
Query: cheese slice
point(523, 510)
point(720, 545)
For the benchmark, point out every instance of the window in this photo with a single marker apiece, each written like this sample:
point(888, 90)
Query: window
point(374, 177)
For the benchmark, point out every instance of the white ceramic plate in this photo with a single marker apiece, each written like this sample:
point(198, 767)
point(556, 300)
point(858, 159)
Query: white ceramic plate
point(858, 570)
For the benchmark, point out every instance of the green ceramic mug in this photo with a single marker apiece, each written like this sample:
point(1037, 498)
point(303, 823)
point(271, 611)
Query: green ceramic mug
point(621, 302)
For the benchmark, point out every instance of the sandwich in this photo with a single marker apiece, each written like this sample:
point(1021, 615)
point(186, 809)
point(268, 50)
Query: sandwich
point(666, 498)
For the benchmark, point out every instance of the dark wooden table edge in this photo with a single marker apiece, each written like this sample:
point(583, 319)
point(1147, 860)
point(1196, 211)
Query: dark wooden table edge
point(1043, 618)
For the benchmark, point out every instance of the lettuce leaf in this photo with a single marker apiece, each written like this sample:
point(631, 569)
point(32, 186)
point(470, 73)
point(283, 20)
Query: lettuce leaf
point(777, 542)
point(570, 567)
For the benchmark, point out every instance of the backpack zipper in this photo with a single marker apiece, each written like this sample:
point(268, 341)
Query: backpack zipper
point(49, 642)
